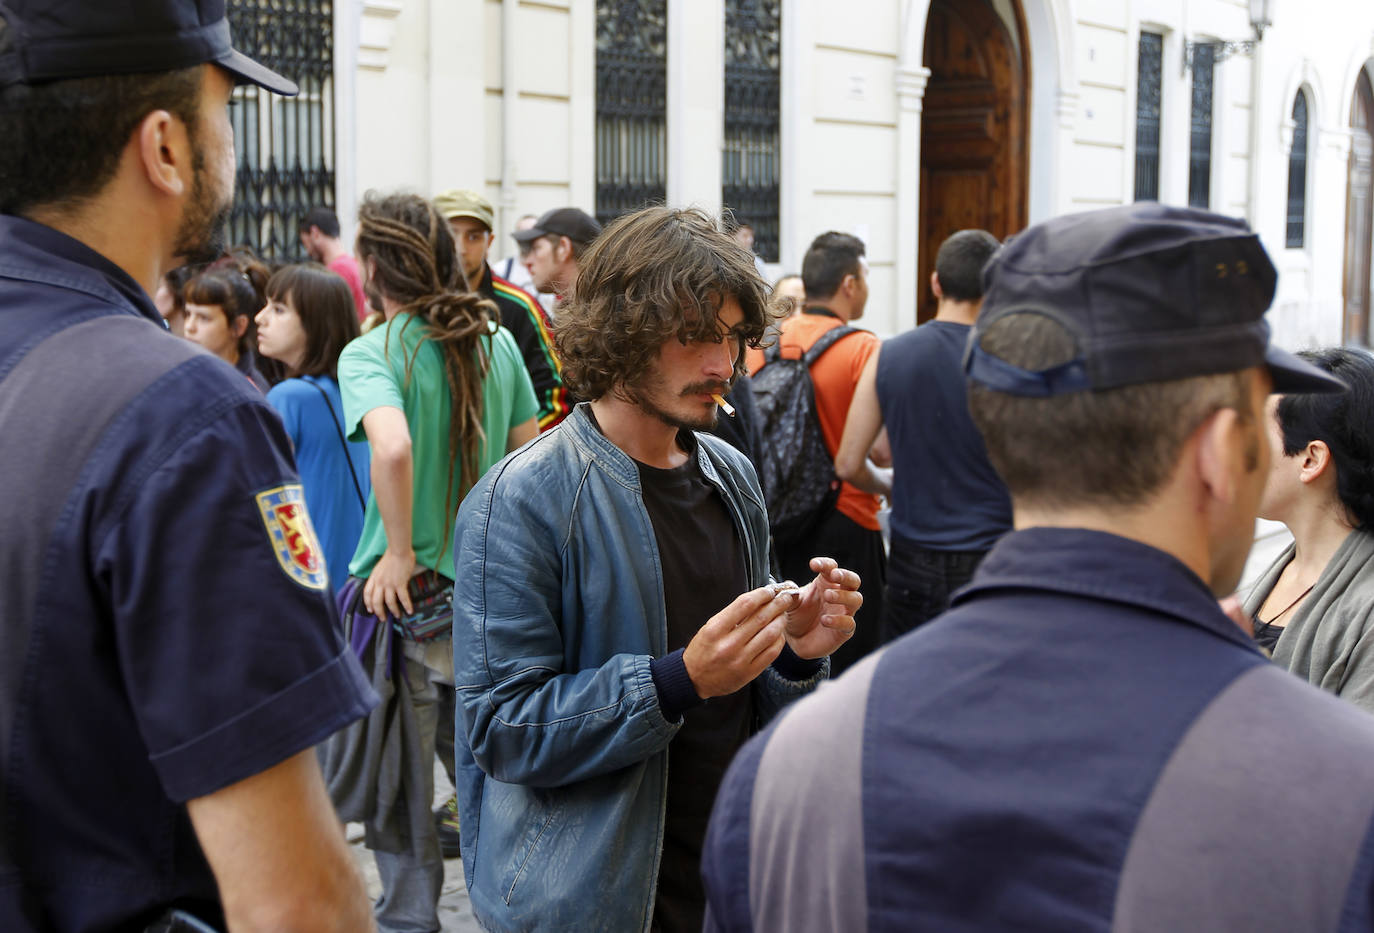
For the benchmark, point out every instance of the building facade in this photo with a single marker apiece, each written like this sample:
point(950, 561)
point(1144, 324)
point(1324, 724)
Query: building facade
point(897, 120)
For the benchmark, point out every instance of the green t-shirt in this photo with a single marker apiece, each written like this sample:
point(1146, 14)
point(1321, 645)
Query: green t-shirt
point(372, 374)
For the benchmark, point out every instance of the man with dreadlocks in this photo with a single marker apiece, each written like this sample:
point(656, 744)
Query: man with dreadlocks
point(440, 393)
point(614, 577)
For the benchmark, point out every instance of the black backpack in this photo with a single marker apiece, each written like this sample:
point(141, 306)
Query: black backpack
point(795, 467)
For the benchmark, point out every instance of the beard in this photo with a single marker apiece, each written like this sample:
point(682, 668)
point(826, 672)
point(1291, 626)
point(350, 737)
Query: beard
point(643, 397)
point(201, 237)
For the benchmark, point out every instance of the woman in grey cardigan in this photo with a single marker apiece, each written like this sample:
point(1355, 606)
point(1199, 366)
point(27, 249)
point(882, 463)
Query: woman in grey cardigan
point(1314, 606)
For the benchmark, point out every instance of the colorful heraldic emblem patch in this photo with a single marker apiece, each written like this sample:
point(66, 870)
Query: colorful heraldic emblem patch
point(293, 537)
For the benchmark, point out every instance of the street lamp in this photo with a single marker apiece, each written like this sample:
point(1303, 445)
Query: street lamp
point(1261, 16)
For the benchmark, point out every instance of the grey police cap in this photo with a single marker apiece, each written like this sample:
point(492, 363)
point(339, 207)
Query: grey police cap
point(43, 40)
point(1150, 293)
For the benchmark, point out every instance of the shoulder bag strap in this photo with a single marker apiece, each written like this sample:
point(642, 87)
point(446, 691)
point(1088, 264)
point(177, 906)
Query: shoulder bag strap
point(338, 429)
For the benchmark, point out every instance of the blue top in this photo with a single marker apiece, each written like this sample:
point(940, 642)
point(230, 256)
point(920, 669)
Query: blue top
point(945, 494)
point(1084, 742)
point(167, 625)
point(331, 493)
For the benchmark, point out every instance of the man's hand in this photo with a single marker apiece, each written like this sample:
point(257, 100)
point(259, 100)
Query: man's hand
point(738, 642)
point(824, 616)
point(386, 587)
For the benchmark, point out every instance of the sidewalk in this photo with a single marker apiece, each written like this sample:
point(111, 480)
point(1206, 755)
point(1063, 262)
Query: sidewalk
point(454, 912)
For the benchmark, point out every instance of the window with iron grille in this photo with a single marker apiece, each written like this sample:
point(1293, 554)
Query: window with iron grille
point(631, 105)
point(285, 145)
point(750, 157)
point(1200, 139)
point(1297, 175)
point(1149, 68)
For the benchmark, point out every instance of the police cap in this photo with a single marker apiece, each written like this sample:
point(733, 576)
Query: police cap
point(43, 40)
point(1150, 293)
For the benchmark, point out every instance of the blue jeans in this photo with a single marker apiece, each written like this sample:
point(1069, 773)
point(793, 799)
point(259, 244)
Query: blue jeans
point(920, 582)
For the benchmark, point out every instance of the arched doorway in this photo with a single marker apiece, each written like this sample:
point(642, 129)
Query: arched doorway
point(973, 128)
point(1359, 213)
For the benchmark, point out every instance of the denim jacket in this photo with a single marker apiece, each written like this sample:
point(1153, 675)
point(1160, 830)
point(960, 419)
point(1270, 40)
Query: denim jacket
point(561, 746)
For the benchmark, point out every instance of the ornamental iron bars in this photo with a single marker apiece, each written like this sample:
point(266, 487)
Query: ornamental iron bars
point(750, 157)
point(631, 105)
point(1147, 106)
point(1297, 176)
point(1200, 138)
point(285, 145)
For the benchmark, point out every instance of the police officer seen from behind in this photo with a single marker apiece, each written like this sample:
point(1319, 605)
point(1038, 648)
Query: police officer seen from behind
point(1085, 740)
point(170, 650)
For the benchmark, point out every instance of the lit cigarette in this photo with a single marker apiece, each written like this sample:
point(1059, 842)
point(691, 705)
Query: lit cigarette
point(724, 405)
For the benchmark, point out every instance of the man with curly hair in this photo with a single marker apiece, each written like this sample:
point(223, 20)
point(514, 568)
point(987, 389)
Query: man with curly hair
point(612, 577)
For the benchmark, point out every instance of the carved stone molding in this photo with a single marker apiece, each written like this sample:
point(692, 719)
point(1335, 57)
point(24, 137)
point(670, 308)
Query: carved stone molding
point(376, 32)
point(911, 88)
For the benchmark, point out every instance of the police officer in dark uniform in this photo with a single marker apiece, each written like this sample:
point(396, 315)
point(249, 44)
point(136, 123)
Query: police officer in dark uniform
point(1085, 740)
point(171, 654)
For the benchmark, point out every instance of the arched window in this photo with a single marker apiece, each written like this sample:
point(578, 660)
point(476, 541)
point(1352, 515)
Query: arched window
point(631, 105)
point(1297, 176)
point(750, 156)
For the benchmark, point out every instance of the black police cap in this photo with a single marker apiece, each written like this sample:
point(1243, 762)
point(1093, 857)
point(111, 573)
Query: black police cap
point(1150, 293)
point(50, 40)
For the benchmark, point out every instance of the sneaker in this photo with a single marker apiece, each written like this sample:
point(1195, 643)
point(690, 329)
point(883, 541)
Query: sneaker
point(446, 822)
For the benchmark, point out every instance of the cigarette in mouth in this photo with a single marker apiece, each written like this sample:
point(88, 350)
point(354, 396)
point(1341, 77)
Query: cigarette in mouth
point(724, 405)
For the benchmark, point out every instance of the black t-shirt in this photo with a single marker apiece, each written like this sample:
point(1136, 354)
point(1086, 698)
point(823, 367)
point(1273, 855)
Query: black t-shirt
point(704, 570)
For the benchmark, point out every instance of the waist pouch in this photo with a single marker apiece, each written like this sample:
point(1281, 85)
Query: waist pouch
point(431, 595)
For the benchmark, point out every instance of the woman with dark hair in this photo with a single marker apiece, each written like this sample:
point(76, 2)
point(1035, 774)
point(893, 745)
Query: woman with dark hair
point(1314, 606)
point(220, 304)
point(441, 393)
point(308, 319)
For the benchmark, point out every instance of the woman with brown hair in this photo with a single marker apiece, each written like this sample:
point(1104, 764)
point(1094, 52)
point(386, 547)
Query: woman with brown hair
point(308, 319)
point(440, 393)
point(220, 304)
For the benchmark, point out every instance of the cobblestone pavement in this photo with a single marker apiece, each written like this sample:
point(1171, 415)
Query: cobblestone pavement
point(455, 914)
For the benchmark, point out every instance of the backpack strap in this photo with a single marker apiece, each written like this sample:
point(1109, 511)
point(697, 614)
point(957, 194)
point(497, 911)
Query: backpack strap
point(825, 342)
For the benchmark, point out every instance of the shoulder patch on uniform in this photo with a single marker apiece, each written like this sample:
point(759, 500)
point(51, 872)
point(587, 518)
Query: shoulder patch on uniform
point(293, 537)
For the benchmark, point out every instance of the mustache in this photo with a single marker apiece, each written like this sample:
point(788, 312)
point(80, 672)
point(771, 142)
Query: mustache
point(707, 388)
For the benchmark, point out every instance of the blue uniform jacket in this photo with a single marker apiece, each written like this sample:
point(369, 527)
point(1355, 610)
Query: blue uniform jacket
point(558, 610)
point(1084, 743)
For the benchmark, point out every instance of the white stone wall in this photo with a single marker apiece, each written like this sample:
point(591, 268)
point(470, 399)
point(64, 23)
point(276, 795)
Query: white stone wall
point(445, 94)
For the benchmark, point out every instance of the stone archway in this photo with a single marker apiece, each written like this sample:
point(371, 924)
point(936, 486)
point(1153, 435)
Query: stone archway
point(1359, 214)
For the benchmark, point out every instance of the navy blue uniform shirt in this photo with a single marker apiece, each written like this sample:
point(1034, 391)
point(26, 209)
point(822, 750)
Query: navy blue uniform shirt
point(167, 625)
point(1084, 742)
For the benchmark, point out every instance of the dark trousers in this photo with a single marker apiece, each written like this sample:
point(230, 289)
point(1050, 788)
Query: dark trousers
point(858, 549)
point(920, 582)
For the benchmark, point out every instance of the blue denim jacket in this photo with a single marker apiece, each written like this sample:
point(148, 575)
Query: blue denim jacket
point(561, 746)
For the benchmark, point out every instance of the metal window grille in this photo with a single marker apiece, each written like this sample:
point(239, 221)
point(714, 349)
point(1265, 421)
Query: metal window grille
point(750, 160)
point(1149, 68)
point(631, 105)
point(1200, 144)
point(1297, 175)
point(285, 145)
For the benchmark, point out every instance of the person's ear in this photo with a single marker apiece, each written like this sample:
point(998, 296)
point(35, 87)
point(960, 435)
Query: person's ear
point(240, 325)
point(1220, 454)
point(565, 249)
point(935, 286)
point(1316, 458)
point(163, 147)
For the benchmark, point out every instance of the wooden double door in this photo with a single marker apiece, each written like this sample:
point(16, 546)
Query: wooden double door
point(973, 129)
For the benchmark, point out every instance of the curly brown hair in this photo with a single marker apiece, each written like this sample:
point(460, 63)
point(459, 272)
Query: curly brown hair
point(654, 275)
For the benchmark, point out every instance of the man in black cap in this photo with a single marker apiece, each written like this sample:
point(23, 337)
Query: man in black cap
point(556, 243)
point(1085, 740)
point(171, 651)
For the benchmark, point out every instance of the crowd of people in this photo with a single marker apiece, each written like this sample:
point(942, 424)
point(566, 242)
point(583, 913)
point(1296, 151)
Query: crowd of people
point(281, 539)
